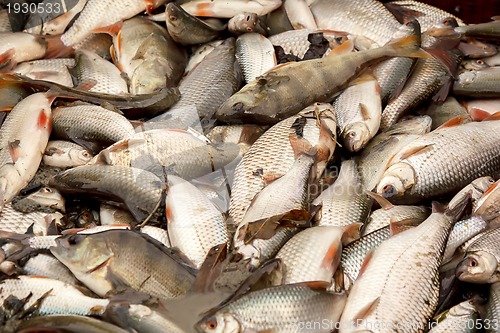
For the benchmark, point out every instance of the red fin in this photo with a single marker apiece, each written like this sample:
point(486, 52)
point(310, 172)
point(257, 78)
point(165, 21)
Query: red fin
point(14, 150)
point(495, 116)
point(86, 85)
point(56, 48)
point(332, 256)
point(455, 121)
point(150, 6)
point(6, 61)
point(351, 233)
point(366, 261)
point(443, 92)
point(346, 48)
point(43, 120)
point(270, 177)
point(203, 9)
point(447, 58)
point(478, 114)
point(169, 214)
point(383, 202)
point(396, 227)
point(112, 29)
point(315, 285)
point(366, 310)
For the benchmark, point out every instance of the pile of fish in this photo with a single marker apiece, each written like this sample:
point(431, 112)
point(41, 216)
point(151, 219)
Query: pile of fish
point(248, 166)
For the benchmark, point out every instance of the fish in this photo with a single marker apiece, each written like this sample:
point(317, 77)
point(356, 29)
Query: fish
point(358, 109)
point(243, 135)
point(372, 20)
point(487, 205)
point(487, 30)
point(271, 156)
point(255, 54)
point(187, 29)
point(169, 151)
point(48, 266)
point(108, 260)
point(109, 214)
point(65, 154)
point(139, 190)
point(287, 308)
point(97, 15)
point(480, 109)
point(375, 156)
point(492, 315)
point(379, 285)
point(200, 53)
point(63, 322)
point(161, 235)
point(463, 231)
point(92, 68)
point(18, 47)
point(477, 188)
point(407, 176)
point(299, 14)
point(246, 22)
point(194, 223)
point(481, 83)
point(345, 201)
point(224, 9)
point(15, 221)
point(96, 43)
point(23, 138)
point(441, 113)
point(55, 297)
point(459, 318)
point(480, 264)
point(206, 87)
point(284, 91)
point(53, 70)
point(89, 125)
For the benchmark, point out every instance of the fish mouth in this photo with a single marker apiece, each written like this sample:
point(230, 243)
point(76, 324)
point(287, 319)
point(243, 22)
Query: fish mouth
point(100, 266)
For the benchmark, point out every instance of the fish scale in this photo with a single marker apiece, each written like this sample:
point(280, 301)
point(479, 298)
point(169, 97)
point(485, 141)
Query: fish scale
point(493, 307)
point(255, 54)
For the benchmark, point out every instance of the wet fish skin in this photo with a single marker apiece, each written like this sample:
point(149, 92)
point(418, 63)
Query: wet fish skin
point(108, 260)
point(399, 182)
point(487, 205)
point(53, 24)
point(63, 154)
point(255, 54)
point(299, 14)
point(246, 22)
point(224, 9)
point(492, 314)
point(273, 154)
point(286, 89)
point(139, 190)
point(62, 298)
point(379, 288)
point(23, 138)
point(481, 259)
point(345, 202)
point(100, 14)
point(96, 43)
point(477, 189)
point(463, 231)
point(384, 216)
point(186, 29)
point(15, 221)
point(54, 70)
point(48, 266)
point(458, 318)
point(478, 84)
point(278, 309)
point(90, 125)
point(194, 223)
point(63, 322)
point(450, 109)
point(20, 46)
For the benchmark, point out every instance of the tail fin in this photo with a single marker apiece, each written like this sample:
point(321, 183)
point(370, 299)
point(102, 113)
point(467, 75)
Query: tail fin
point(300, 145)
point(56, 48)
point(407, 47)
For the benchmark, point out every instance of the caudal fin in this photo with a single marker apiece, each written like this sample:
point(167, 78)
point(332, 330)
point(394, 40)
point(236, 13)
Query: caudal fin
point(408, 47)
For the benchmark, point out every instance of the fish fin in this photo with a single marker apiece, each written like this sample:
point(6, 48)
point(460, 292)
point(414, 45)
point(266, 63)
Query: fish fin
point(478, 114)
point(92, 146)
point(396, 227)
point(14, 150)
point(144, 47)
point(41, 75)
point(366, 261)
point(6, 109)
point(332, 256)
point(383, 202)
point(402, 14)
point(443, 92)
point(86, 84)
point(346, 48)
point(51, 225)
point(300, 145)
point(315, 285)
point(415, 151)
point(266, 228)
point(438, 207)
point(351, 233)
point(455, 121)
point(456, 211)
point(495, 116)
point(447, 58)
point(367, 310)
point(365, 113)
point(7, 62)
point(270, 177)
point(408, 47)
point(56, 48)
point(366, 77)
point(210, 269)
point(150, 5)
point(111, 30)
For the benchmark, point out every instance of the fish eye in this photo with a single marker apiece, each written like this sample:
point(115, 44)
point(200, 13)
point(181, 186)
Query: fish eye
point(212, 324)
point(479, 62)
point(86, 154)
point(46, 190)
point(389, 190)
point(249, 29)
point(172, 18)
point(472, 262)
point(74, 239)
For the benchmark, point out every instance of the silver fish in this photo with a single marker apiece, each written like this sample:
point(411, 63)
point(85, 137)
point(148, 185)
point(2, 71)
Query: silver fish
point(255, 54)
point(64, 154)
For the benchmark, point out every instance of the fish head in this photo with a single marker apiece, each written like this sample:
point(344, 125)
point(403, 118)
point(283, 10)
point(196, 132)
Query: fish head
point(478, 267)
point(397, 180)
point(221, 323)
point(146, 79)
point(48, 197)
point(356, 136)
point(82, 253)
point(236, 106)
point(80, 156)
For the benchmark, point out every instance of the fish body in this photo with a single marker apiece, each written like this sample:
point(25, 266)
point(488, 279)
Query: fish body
point(492, 313)
point(107, 260)
point(285, 90)
point(64, 154)
point(225, 9)
point(48, 266)
point(299, 14)
point(20, 46)
point(54, 70)
point(465, 153)
point(441, 113)
point(459, 318)
point(478, 83)
point(382, 217)
point(55, 17)
point(63, 322)
point(487, 206)
point(255, 54)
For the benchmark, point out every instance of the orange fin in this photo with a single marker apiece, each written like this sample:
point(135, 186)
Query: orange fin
point(455, 121)
point(6, 61)
point(346, 48)
point(402, 14)
point(111, 30)
point(43, 120)
point(495, 116)
point(315, 285)
point(478, 114)
point(332, 256)
point(86, 85)
point(14, 150)
point(383, 202)
point(366, 261)
point(396, 227)
point(270, 177)
point(367, 310)
point(443, 92)
point(56, 48)
point(351, 233)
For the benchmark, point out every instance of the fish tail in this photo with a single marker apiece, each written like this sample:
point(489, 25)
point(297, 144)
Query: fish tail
point(300, 145)
point(407, 47)
point(56, 48)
